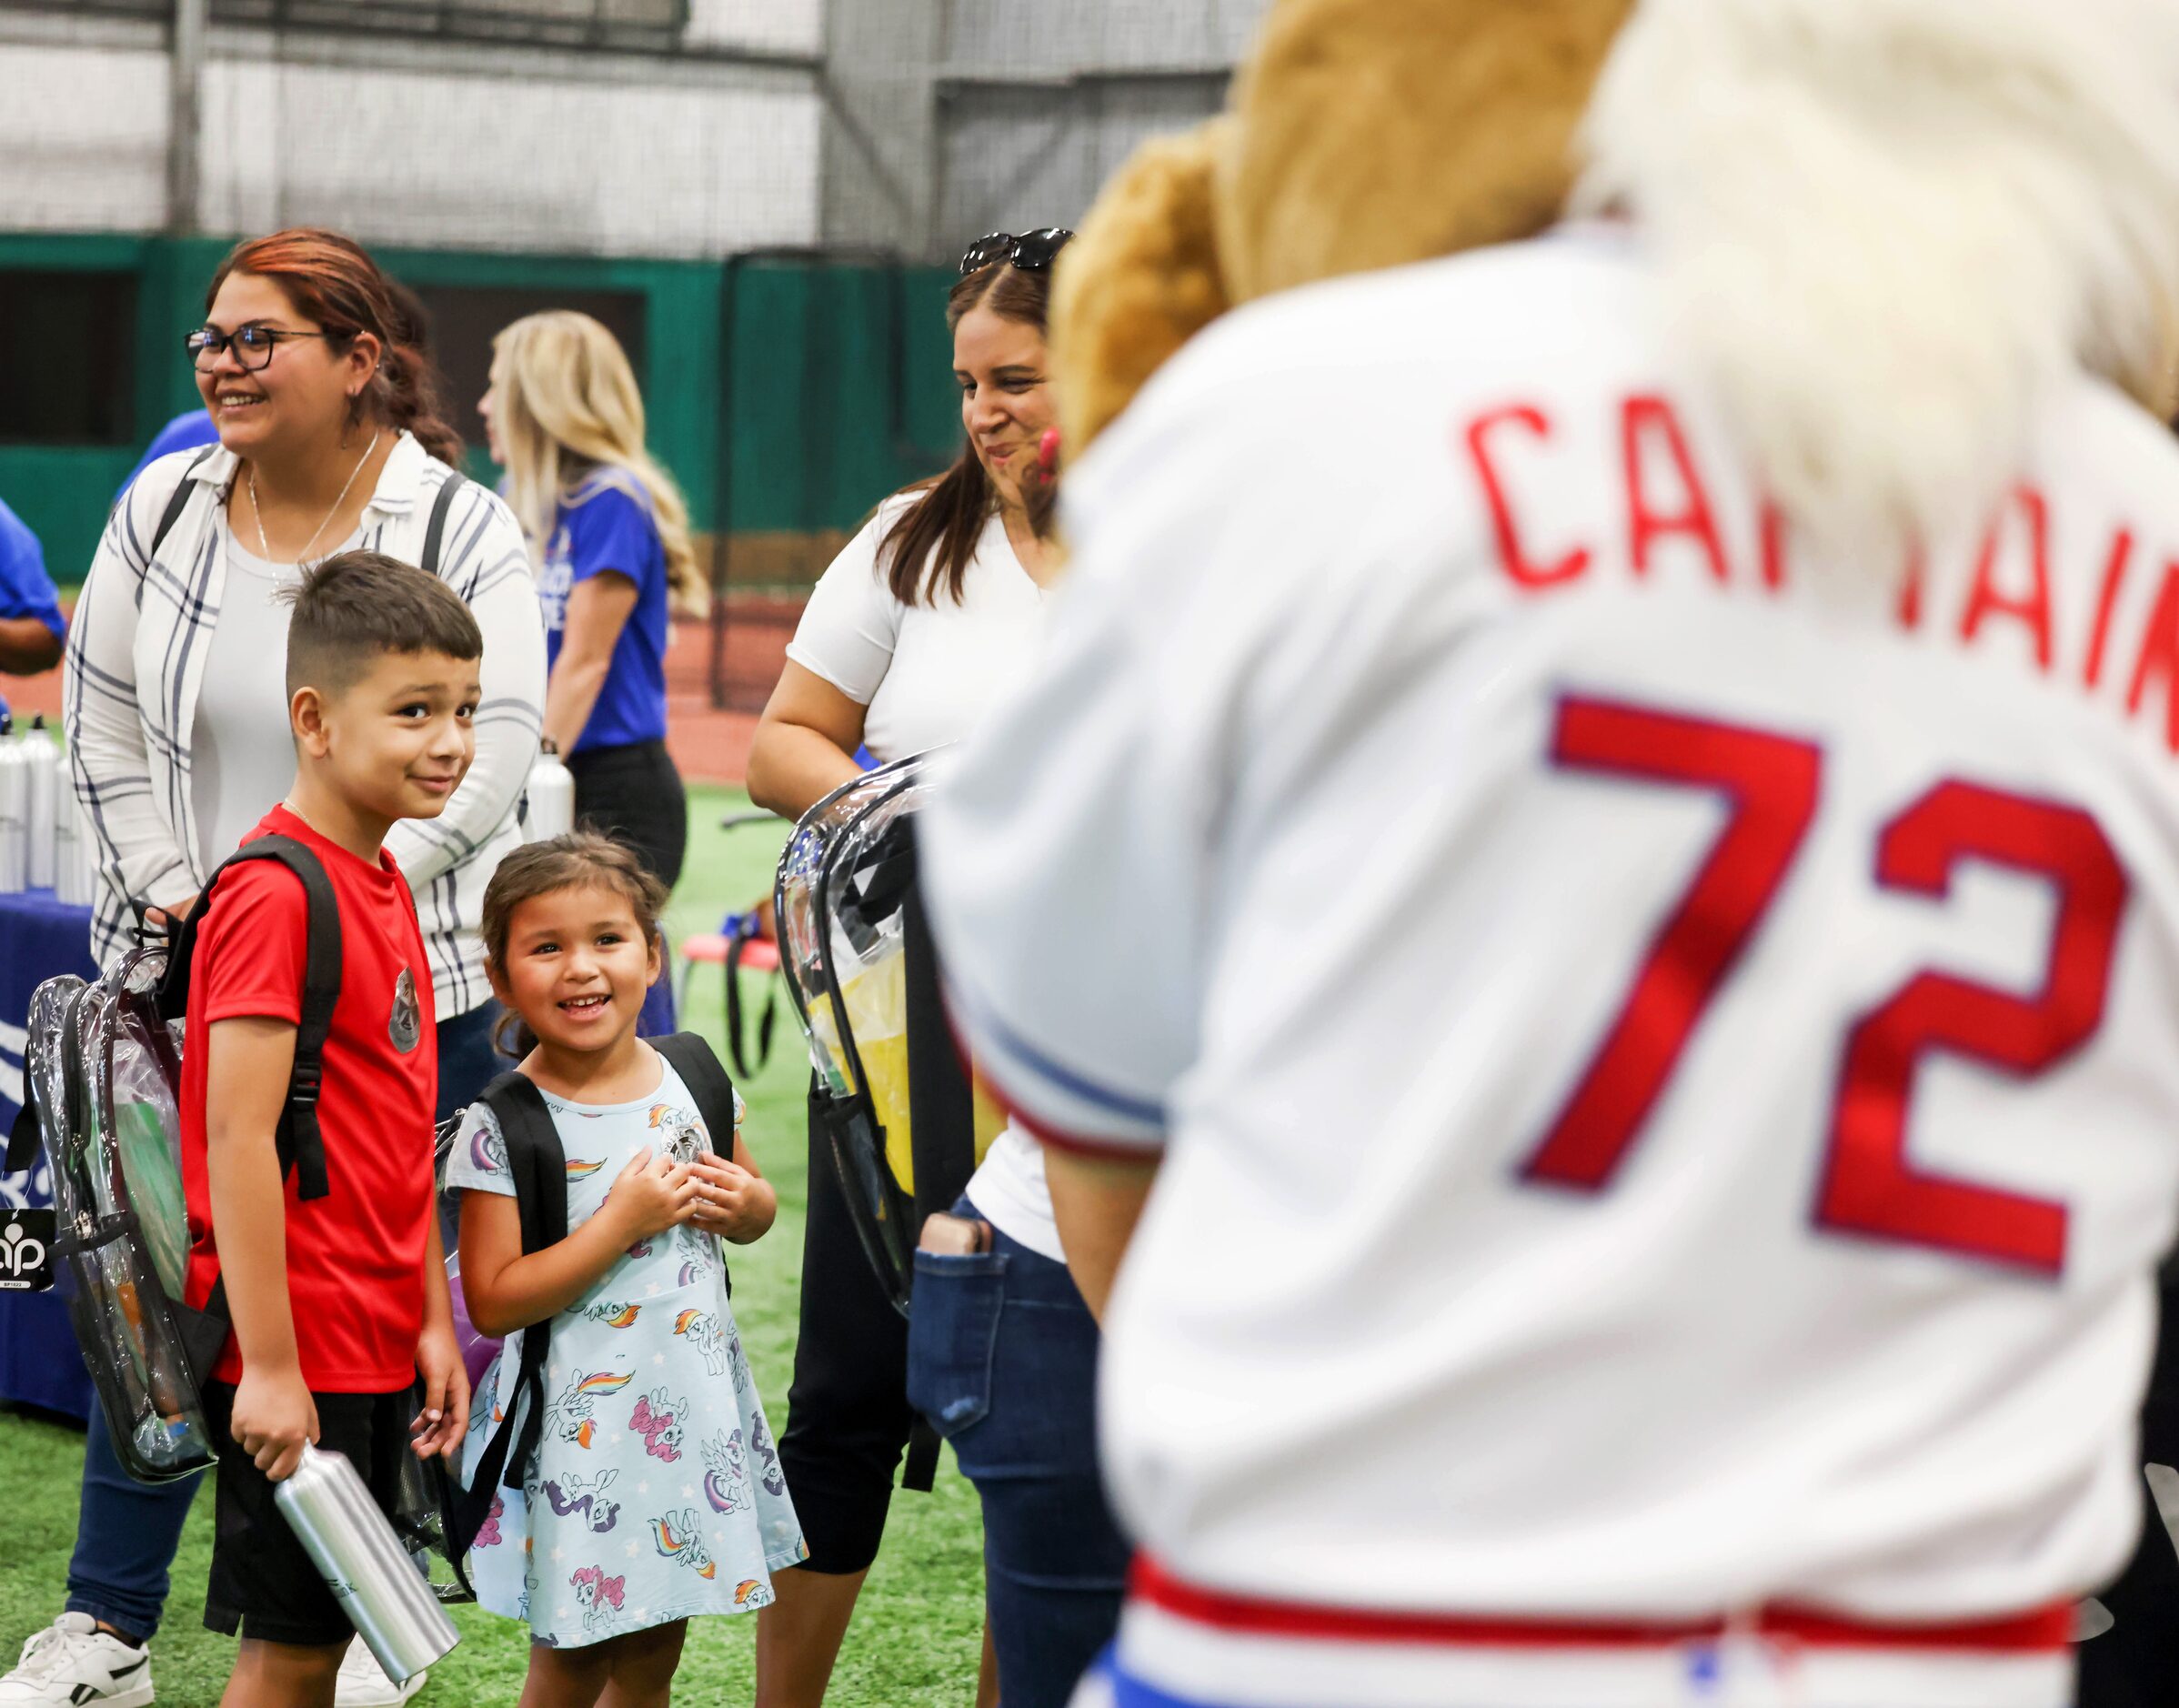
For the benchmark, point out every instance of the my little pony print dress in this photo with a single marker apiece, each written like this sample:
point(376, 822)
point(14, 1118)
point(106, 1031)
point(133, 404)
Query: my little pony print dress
point(657, 1492)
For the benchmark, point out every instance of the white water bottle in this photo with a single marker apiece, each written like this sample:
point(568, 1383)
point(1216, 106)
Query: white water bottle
point(42, 761)
point(15, 810)
point(551, 796)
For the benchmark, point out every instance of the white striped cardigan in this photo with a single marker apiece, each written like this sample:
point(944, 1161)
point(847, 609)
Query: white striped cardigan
point(136, 649)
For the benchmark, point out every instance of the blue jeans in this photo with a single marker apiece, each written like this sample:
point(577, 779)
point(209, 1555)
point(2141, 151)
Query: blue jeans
point(1002, 1360)
point(126, 1532)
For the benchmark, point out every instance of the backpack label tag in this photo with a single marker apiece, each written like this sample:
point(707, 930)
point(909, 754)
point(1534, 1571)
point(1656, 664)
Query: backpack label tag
point(26, 1250)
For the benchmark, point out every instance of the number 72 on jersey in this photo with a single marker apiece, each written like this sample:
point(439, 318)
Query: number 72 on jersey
point(1868, 1186)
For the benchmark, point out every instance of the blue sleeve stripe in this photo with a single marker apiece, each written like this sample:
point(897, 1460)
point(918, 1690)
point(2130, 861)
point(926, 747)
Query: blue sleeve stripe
point(1143, 1112)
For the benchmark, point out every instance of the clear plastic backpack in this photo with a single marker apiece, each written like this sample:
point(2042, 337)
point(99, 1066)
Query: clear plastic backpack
point(903, 1127)
point(103, 1087)
point(102, 1071)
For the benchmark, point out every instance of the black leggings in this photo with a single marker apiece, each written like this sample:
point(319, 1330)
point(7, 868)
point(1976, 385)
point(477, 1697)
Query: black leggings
point(848, 1416)
point(634, 795)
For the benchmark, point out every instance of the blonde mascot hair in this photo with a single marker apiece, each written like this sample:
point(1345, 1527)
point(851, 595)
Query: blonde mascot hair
point(1881, 230)
point(565, 406)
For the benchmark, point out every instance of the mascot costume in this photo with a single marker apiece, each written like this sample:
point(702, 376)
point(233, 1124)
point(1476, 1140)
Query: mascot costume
point(1367, 134)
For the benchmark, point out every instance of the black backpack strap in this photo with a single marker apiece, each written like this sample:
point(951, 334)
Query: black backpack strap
point(941, 1123)
point(538, 1166)
point(737, 1043)
point(301, 1144)
point(434, 531)
point(691, 1057)
point(941, 1104)
point(23, 1137)
point(183, 493)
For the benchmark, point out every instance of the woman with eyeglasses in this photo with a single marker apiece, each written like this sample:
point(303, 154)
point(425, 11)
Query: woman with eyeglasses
point(913, 632)
point(331, 438)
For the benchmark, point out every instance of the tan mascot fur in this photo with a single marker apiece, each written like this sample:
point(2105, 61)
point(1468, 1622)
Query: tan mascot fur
point(1361, 134)
point(1368, 133)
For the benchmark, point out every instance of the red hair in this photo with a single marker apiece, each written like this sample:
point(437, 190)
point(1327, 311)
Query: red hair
point(331, 280)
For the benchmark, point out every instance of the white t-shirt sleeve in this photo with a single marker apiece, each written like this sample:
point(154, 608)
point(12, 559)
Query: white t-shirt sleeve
point(852, 622)
point(478, 1162)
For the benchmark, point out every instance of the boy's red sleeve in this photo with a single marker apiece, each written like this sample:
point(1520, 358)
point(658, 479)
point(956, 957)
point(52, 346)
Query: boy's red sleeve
point(250, 948)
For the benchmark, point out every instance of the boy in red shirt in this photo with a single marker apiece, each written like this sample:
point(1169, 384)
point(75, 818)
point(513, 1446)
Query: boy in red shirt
point(336, 1302)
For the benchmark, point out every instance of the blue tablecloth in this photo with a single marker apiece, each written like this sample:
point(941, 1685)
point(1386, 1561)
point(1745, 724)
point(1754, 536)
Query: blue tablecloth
point(39, 937)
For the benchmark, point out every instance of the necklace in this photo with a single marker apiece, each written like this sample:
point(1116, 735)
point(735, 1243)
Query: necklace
point(257, 511)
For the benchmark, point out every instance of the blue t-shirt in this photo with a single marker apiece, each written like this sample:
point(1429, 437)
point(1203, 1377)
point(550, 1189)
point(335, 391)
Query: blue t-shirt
point(606, 528)
point(184, 432)
point(25, 589)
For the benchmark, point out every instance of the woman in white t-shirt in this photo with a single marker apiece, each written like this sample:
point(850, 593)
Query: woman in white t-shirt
point(919, 624)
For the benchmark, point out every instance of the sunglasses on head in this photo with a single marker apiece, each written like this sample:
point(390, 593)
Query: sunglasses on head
point(1032, 251)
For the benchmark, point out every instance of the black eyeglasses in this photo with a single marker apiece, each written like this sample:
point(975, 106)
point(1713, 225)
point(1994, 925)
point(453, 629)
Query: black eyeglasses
point(1032, 251)
point(253, 345)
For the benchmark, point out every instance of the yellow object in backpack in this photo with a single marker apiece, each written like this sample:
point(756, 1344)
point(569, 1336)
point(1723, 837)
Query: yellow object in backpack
point(877, 1001)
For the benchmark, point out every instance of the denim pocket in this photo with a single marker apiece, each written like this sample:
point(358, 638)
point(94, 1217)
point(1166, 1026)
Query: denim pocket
point(952, 1329)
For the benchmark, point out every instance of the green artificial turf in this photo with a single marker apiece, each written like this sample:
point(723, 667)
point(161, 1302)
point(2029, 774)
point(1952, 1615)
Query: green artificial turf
point(917, 1634)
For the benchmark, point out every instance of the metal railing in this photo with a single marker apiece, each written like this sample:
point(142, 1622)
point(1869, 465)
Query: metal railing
point(648, 26)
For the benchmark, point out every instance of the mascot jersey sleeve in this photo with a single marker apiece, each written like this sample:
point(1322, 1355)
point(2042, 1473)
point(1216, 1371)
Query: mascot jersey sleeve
point(1575, 936)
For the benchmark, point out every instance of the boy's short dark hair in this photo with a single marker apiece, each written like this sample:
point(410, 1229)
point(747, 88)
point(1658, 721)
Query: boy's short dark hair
point(358, 606)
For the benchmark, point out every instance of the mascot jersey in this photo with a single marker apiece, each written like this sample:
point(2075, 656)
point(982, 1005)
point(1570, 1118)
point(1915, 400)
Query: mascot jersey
point(1660, 1026)
point(657, 1492)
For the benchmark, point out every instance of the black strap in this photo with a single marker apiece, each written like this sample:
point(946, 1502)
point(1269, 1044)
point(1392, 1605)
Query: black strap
point(920, 1474)
point(434, 531)
point(941, 1103)
point(745, 1064)
point(538, 1166)
point(121, 1224)
point(178, 502)
point(941, 1123)
point(301, 1143)
point(22, 1136)
point(690, 1056)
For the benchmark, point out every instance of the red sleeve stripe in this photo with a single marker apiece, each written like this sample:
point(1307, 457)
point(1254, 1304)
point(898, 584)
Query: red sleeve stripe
point(2045, 1629)
point(1079, 1144)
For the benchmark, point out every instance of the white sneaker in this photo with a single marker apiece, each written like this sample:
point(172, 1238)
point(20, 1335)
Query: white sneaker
point(74, 1665)
point(363, 1682)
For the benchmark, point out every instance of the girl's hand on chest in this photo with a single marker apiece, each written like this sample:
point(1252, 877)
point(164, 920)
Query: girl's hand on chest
point(651, 1194)
point(731, 1202)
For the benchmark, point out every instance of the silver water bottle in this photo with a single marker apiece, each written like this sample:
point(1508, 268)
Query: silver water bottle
point(42, 762)
point(72, 875)
point(364, 1565)
point(75, 854)
point(551, 796)
point(15, 811)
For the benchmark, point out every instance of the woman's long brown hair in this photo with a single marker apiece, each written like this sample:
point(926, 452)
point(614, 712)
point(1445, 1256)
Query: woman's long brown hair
point(929, 546)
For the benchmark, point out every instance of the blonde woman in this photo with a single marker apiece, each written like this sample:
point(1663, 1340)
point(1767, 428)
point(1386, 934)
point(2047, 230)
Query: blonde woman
point(610, 533)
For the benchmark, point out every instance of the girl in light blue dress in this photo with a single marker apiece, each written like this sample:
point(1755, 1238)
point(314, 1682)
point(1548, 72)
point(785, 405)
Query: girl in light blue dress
point(654, 1495)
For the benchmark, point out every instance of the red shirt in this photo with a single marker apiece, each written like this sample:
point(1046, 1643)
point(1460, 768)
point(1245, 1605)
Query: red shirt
point(355, 1257)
